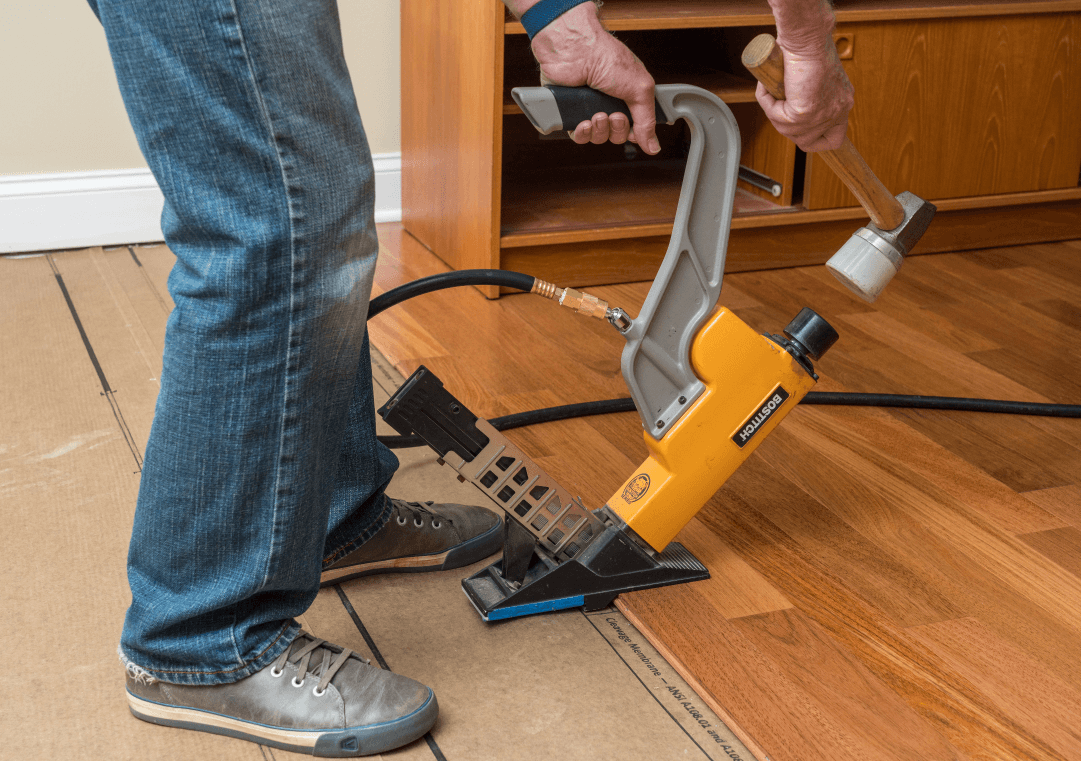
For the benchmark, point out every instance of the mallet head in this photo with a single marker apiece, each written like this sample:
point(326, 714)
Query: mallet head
point(871, 257)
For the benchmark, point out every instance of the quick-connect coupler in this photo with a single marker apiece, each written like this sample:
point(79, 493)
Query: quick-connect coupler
point(582, 303)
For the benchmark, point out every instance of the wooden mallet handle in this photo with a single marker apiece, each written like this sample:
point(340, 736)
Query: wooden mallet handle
point(764, 59)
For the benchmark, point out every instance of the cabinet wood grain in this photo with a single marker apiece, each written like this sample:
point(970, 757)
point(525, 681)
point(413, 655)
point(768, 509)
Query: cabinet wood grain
point(948, 108)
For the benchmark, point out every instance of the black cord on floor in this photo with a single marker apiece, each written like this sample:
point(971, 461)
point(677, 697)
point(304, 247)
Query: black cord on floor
point(838, 398)
point(523, 282)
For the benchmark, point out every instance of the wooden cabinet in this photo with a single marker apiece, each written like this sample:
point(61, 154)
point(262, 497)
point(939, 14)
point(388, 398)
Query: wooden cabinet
point(976, 106)
point(953, 108)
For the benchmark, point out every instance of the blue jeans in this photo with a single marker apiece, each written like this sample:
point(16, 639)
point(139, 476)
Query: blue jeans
point(262, 464)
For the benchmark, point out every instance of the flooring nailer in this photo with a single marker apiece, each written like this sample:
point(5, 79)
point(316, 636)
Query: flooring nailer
point(707, 386)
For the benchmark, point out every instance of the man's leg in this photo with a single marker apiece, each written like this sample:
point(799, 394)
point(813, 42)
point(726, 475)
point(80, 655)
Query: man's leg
point(246, 115)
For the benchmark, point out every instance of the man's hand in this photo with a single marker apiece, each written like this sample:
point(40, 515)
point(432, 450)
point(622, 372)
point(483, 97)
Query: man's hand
point(576, 50)
point(818, 95)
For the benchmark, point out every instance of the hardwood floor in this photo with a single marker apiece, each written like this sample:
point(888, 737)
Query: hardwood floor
point(887, 584)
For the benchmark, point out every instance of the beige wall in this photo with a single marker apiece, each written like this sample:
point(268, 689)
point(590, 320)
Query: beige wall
point(60, 109)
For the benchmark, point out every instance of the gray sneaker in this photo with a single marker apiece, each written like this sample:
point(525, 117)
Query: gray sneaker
point(316, 698)
point(422, 537)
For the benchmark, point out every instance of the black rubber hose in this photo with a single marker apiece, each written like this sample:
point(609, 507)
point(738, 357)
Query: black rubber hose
point(522, 282)
point(532, 417)
point(517, 280)
point(837, 398)
point(957, 403)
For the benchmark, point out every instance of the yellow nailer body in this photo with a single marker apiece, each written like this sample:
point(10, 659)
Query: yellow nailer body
point(751, 383)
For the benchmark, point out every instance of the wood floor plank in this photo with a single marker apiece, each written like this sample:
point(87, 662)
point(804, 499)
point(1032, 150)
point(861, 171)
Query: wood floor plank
point(993, 445)
point(911, 314)
point(790, 290)
point(887, 727)
point(1059, 259)
point(771, 708)
point(1023, 452)
point(959, 710)
point(399, 328)
point(1065, 502)
point(903, 593)
point(1066, 312)
point(962, 480)
point(965, 376)
point(1051, 374)
point(1027, 598)
point(734, 588)
point(899, 493)
point(1062, 545)
point(1020, 686)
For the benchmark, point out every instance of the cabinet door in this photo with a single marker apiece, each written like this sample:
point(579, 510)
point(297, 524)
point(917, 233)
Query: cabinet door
point(950, 108)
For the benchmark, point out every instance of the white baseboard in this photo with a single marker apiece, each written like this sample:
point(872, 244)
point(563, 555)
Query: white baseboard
point(388, 187)
point(47, 212)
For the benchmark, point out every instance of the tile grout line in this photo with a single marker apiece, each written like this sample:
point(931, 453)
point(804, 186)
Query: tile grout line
point(432, 745)
point(107, 391)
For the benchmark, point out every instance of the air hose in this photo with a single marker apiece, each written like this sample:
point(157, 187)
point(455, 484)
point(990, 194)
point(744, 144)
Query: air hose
point(591, 305)
point(517, 280)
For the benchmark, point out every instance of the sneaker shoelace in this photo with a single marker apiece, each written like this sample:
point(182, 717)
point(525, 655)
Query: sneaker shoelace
point(329, 666)
point(403, 511)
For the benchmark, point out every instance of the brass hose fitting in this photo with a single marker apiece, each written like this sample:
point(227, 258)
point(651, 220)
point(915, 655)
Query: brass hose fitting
point(583, 303)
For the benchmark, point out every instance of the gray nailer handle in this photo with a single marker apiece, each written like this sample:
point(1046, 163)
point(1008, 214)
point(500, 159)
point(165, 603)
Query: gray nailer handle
point(764, 59)
point(657, 358)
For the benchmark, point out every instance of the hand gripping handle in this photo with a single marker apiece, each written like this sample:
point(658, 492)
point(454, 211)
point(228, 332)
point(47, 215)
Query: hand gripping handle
point(656, 361)
point(764, 59)
point(554, 107)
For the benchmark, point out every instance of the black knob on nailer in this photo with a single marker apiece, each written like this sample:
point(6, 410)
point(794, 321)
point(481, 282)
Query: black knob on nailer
point(811, 333)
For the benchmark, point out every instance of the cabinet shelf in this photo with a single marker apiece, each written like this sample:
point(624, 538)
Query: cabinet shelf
point(600, 202)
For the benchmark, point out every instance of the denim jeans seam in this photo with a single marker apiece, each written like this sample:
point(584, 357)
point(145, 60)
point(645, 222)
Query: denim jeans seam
point(267, 654)
point(368, 532)
point(286, 385)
